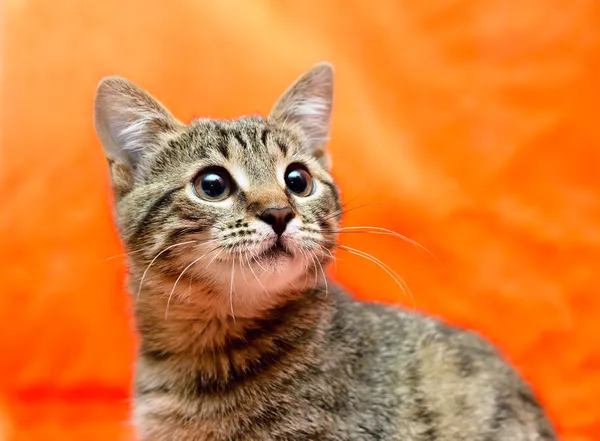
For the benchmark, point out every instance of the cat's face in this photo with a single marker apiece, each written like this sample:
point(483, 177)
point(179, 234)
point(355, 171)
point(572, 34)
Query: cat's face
point(248, 205)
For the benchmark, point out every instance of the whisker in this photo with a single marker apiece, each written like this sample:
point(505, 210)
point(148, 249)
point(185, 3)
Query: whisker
point(328, 252)
point(242, 267)
point(181, 275)
point(313, 258)
point(342, 211)
point(382, 231)
point(305, 257)
point(141, 250)
point(214, 257)
point(345, 209)
point(324, 278)
point(189, 292)
point(344, 206)
point(395, 276)
point(154, 260)
point(258, 263)
point(231, 289)
point(124, 254)
point(325, 249)
point(253, 273)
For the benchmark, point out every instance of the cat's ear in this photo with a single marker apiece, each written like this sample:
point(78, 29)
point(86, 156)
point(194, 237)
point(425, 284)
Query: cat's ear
point(129, 122)
point(307, 103)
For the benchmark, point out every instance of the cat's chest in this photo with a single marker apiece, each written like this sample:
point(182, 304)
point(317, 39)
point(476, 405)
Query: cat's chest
point(277, 405)
point(265, 412)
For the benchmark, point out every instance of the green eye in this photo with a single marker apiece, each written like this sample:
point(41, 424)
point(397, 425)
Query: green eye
point(213, 184)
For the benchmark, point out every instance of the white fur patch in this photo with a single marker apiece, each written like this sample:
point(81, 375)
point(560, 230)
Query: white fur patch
point(292, 229)
point(311, 107)
point(249, 285)
point(240, 177)
point(133, 135)
point(281, 174)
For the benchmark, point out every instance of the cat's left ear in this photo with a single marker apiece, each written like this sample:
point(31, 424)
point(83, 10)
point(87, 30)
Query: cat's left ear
point(130, 124)
point(307, 103)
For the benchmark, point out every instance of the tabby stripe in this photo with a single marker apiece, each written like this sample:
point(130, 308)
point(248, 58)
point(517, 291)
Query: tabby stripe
point(178, 233)
point(282, 147)
point(156, 355)
point(422, 412)
point(241, 140)
point(163, 201)
point(256, 368)
point(502, 412)
point(224, 150)
point(465, 364)
point(223, 143)
point(546, 433)
point(272, 329)
point(527, 397)
point(263, 137)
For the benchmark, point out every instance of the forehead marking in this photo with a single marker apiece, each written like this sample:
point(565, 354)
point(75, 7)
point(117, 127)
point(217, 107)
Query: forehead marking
point(240, 177)
point(263, 137)
point(240, 139)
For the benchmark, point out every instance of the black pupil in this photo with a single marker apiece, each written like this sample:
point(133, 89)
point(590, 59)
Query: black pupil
point(296, 181)
point(213, 185)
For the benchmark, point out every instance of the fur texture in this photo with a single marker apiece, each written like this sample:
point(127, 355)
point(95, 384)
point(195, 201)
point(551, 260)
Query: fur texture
point(242, 336)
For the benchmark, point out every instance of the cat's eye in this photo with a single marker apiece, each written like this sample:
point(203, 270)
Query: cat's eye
point(213, 184)
point(298, 180)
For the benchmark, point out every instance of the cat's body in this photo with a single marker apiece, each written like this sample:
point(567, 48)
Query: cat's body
point(330, 368)
point(228, 225)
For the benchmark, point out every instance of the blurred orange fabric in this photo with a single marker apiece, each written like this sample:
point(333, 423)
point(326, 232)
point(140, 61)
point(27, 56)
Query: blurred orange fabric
point(470, 126)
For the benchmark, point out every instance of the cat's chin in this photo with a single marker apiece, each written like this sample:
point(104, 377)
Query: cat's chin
point(275, 252)
point(272, 271)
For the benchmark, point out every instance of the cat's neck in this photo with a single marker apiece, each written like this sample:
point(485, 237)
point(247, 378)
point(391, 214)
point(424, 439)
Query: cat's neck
point(183, 338)
point(198, 316)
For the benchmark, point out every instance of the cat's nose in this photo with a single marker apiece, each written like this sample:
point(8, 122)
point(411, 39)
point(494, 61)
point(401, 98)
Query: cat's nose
point(278, 218)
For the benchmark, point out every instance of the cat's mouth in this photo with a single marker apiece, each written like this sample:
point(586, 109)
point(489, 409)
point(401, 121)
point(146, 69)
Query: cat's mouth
point(277, 250)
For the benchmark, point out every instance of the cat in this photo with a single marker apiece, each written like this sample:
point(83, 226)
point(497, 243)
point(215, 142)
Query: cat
point(228, 226)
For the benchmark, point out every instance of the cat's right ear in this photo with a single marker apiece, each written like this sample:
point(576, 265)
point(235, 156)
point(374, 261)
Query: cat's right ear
point(129, 123)
point(307, 103)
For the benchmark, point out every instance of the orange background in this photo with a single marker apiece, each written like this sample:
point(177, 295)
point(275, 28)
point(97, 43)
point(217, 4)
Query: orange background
point(471, 126)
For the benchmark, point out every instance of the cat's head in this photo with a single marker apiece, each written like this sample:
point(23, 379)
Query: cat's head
point(247, 204)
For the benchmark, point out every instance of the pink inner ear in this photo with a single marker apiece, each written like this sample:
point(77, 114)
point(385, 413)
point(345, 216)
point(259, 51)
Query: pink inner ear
point(311, 107)
point(308, 102)
point(129, 120)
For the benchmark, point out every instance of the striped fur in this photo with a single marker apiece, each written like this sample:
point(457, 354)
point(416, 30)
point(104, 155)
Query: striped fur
point(239, 344)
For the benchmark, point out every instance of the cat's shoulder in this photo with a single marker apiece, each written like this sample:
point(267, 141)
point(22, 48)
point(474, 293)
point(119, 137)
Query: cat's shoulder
point(437, 349)
point(453, 373)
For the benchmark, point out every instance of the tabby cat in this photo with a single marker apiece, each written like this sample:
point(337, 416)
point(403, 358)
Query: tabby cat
point(228, 226)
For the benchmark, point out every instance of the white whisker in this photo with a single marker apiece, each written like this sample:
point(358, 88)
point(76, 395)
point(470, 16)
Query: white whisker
point(231, 289)
point(189, 292)
point(313, 257)
point(154, 260)
point(179, 278)
point(214, 257)
point(258, 263)
point(397, 278)
point(305, 256)
point(242, 268)
point(325, 249)
point(123, 255)
point(324, 278)
point(254, 274)
point(385, 231)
